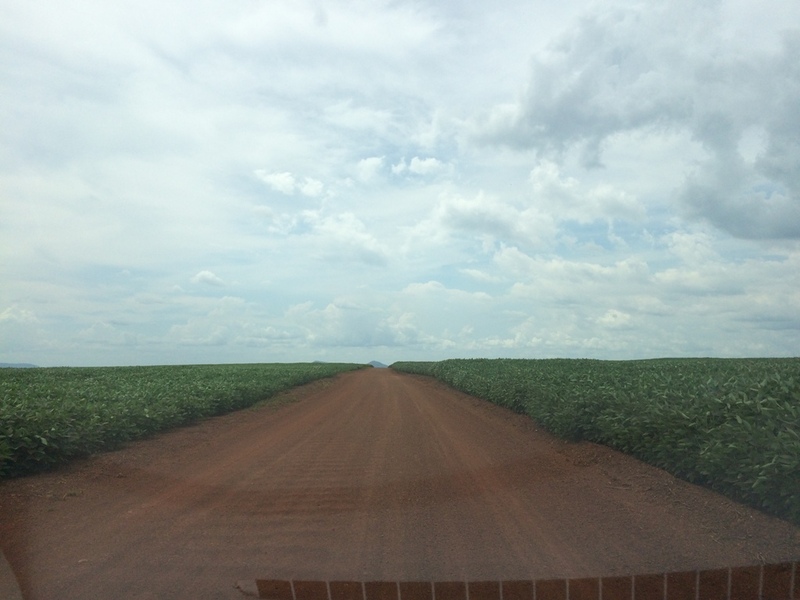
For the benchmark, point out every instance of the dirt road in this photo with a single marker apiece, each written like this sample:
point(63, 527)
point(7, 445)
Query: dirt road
point(373, 475)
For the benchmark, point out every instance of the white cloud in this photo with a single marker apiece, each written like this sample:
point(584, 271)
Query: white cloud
point(208, 278)
point(574, 279)
point(280, 182)
point(566, 198)
point(345, 323)
point(346, 236)
point(15, 314)
point(286, 183)
point(368, 169)
point(311, 187)
point(693, 248)
point(488, 216)
point(23, 335)
point(321, 235)
point(400, 168)
point(425, 166)
point(231, 323)
point(421, 166)
point(614, 319)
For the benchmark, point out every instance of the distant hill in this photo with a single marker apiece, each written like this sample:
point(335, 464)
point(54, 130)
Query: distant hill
point(377, 365)
point(17, 366)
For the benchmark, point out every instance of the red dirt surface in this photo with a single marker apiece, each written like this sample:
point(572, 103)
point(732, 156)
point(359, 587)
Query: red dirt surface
point(373, 475)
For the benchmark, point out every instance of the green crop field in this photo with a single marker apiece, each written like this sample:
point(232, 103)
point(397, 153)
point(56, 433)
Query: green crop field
point(48, 416)
point(730, 424)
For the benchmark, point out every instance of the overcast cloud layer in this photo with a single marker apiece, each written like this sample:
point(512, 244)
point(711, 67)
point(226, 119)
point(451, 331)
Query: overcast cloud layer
point(252, 181)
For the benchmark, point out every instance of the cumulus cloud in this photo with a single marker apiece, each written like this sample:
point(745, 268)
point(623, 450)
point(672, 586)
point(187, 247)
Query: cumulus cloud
point(540, 275)
point(736, 198)
point(322, 234)
point(280, 182)
point(344, 235)
point(692, 248)
point(368, 169)
point(566, 198)
point(23, 335)
point(286, 183)
point(16, 314)
point(614, 319)
point(348, 323)
point(626, 70)
point(227, 321)
point(208, 278)
point(421, 166)
point(485, 215)
point(679, 302)
point(535, 218)
point(310, 187)
point(400, 168)
point(425, 166)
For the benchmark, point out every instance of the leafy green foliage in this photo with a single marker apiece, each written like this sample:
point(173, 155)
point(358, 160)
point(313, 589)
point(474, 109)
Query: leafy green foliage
point(730, 424)
point(48, 416)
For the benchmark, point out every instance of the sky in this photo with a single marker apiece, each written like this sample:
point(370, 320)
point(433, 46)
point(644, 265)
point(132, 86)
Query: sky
point(274, 180)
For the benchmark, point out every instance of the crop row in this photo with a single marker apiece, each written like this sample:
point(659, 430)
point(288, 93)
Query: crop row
point(730, 424)
point(48, 416)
